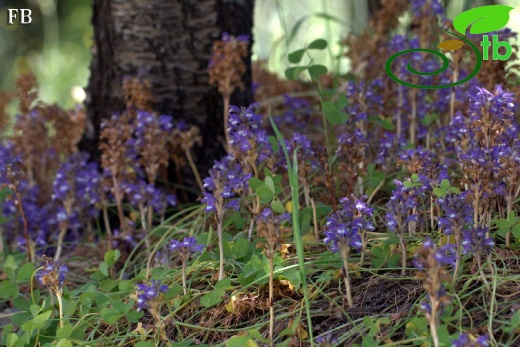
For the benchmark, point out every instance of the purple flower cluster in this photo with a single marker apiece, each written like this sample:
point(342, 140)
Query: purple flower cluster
point(457, 213)
point(226, 179)
point(76, 189)
point(389, 145)
point(465, 341)
point(476, 242)
point(444, 255)
point(403, 207)
point(304, 152)
point(186, 247)
point(226, 37)
point(427, 7)
point(146, 194)
point(268, 217)
point(52, 275)
point(345, 226)
point(247, 138)
point(295, 113)
point(147, 294)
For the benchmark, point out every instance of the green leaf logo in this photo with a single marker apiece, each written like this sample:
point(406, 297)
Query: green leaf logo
point(482, 19)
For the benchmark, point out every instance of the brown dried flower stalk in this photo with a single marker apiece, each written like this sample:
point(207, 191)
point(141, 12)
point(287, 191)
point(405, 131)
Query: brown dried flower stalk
point(226, 69)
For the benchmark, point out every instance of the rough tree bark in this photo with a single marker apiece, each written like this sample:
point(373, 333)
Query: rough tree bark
point(171, 42)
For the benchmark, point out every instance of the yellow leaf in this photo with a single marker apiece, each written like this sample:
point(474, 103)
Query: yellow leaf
point(230, 306)
point(288, 206)
point(451, 45)
point(446, 239)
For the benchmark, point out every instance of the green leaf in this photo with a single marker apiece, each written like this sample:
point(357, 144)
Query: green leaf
point(64, 331)
point(294, 72)
point(454, 190)
point(110, 316)
point(337, 117)
point(408, 184)
point(385, 123)
point(392, 240)
point(240, 248)
point(482, 19)
point(516, 231)
point(440, 192)
point(269, 184)
point(108, 284)
point(315, 71)
point(11, 339)
point(103, 268)
point(241, 341)
point(212, 298)
point(125, 285)
point(255, 183)
point(296, 56)
point(265, 194)
point(255, 334)
point(429, 119)
point(277, 206)
point(275, 146)
point(329, 106)
point(173, 291)
point(22, 304)
point(35, 309)
point(318, 44)
point(505, 224)
point(8, 289)
point(341, 102)
point(69, 308)
point(134, 316)
point(41, 319)
point(112, 256)
point(64, 343)
point(25, 273)
point(144, 344)
point(224, 283)
point(445, 184)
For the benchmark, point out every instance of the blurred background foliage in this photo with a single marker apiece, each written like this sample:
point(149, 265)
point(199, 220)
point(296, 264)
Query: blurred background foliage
point(56, 45)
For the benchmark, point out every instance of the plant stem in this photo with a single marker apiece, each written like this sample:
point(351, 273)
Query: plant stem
point(404, 255)
point(271, 297)
point(221, 248)
point(345, 250)
point(60, 307)
point(315, 220)
point(226, 122)
point(184, 286)
point(107, 226)
point(482, 275)
point(193, 167)
point(63, 230)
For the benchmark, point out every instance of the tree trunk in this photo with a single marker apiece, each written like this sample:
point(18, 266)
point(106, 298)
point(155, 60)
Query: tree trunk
point(170, 42)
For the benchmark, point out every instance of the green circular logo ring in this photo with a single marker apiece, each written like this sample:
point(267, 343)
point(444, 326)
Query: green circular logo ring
point(445, 64)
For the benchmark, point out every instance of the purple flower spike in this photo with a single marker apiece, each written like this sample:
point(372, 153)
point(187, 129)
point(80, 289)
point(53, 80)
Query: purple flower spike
point(188, 245)
point(149, 293)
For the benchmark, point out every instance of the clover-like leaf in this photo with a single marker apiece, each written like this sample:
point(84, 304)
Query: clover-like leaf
point(451, 45)
point(318, 44)
point(296, 56)
point(483, 19)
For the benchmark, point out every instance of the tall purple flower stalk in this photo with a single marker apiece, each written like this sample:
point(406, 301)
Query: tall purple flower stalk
point(457, 215)
point(184, 249)
point(76, 191)
point(225, 181)
point(402, 215)
point(432, 261)
point(345, 229)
